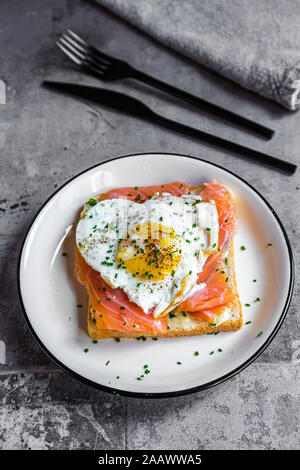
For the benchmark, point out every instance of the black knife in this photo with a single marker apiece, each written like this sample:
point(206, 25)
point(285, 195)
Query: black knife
point(132, 106)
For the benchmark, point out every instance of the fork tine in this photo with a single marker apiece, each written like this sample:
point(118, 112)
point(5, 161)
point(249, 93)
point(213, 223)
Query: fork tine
point(71, 56)
point(88, 46)
point(83, 52)
point(79, 58)
point(85, 57)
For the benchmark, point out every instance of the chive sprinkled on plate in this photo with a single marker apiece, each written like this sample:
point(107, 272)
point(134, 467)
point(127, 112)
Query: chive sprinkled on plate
point(247, 305)
point(259, 334)
point(178, 363)
point(107, 362)
point(211, 352)
point(117, 340)
point(196, 353)
point(243, 248)
point(248, 322)
point(86, 350)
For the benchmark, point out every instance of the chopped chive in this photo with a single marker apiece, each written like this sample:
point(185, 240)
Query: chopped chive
point(248, 322)
point(179, 363)
point(243, 248)
point(259, 334)
point(107, 363)
point(247, 305)
point(64, 253)
point(122, 308)
point(196, 353)
point(86, 350)
point(211, 352)
point(117, 340)
point(220, 350)
point(92, 202)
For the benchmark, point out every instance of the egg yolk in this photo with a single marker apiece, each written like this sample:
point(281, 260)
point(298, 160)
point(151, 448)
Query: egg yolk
point(150, 252)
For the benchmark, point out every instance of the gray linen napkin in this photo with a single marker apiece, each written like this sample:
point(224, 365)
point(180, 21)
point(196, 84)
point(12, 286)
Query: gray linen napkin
point(255, 43)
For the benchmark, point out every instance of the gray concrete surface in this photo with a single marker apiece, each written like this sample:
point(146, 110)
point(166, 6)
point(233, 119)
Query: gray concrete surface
point(44, 140)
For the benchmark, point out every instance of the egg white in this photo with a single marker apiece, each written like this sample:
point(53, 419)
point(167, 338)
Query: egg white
point(195, 223)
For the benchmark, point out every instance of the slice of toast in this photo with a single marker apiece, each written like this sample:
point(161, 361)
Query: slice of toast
point(183, 323)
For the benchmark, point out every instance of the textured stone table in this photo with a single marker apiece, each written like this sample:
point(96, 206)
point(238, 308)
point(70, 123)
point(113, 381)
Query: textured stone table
point(44, 141)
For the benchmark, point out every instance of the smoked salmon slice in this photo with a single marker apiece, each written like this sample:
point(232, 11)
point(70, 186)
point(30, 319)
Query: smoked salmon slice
point(113, 308)
point(225, 208)
point(216, 292)
point(140, 194)
point(114, 311)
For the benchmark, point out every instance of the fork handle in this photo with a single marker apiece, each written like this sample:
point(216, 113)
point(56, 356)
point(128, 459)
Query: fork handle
point(202, 104)
point(238, 149)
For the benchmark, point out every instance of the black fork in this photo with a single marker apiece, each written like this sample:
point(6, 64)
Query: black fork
point(107, 68)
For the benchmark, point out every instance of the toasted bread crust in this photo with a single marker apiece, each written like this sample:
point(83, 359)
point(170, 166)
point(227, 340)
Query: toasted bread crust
point(196, 327)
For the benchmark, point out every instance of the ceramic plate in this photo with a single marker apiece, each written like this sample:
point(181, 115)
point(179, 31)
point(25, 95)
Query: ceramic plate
point(50, 294)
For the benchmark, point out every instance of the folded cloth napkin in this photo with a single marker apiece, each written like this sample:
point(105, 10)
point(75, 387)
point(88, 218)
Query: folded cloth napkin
point(255, 43)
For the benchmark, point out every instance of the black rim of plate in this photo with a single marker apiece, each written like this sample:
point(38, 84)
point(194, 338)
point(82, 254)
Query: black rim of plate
point(188, 391)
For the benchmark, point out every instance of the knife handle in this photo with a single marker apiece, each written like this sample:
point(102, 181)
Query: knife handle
point(202, 104)
point(233, 147)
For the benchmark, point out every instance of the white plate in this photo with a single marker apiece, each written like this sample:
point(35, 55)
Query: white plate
point(50, 294)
